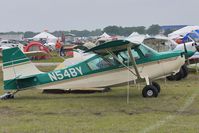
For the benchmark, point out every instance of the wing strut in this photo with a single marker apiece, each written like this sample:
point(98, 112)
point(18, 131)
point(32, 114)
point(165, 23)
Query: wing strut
point(115, 57)
point(133, 62)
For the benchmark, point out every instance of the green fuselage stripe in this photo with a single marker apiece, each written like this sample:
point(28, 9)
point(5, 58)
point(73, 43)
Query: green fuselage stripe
point(14, 62)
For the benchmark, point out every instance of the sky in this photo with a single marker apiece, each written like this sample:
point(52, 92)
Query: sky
point(51, 15)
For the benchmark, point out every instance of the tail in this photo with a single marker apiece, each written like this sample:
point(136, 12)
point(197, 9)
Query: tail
point(16, 66)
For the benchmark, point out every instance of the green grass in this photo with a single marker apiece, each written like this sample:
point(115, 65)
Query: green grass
point(54, 57)
point(34, 112)
point(50, 60)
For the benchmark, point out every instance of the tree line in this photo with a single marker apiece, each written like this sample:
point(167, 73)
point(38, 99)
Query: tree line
point(111, 30)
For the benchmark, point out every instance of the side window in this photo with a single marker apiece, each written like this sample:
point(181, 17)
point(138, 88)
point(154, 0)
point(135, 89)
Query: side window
point(98, 63)
point(135, 54)
point(124, 57)
point(146, 52)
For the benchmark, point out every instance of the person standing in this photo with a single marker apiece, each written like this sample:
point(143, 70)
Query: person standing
point(58, 47)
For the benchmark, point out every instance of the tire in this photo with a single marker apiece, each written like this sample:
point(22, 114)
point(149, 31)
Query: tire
point(157, 86)
point(150, 91)
point(185, 71)
point(179, 75)
point(171, 78)
point(107, 89)
point(12, 97)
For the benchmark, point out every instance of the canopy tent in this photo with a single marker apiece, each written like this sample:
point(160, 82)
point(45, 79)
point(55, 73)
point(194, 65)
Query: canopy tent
point(45, 35)
point(136, 37)
point(105, 35)
point(133, 34)
point(37, 47)
point(103, 38)
point(182, 31)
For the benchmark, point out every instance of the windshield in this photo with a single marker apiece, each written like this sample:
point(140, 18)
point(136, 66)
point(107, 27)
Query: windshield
point(147, 51)
point(106, 61)
point(102, 62)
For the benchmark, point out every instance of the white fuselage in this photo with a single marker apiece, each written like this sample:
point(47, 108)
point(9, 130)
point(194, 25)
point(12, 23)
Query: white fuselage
point(151, 70)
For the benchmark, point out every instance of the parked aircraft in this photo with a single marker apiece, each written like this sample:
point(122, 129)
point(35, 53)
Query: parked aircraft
point(115, 63)
point(162, 44)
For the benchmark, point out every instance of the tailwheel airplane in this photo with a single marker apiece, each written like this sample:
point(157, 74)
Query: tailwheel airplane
point(114, 63)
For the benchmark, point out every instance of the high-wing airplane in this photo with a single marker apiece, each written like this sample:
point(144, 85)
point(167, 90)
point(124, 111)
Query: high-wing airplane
point(115, 63)
point(162, 44)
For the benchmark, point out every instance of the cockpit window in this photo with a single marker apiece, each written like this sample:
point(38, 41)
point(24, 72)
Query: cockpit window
point(124, 57)
point(101, 63)
point(146, 51)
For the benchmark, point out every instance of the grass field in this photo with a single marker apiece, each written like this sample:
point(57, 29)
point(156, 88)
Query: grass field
point(176, 110)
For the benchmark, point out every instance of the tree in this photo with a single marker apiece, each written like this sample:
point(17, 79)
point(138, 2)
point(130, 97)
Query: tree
point(112, 30)
point(29, 34)
point(96, 32)
point(153, 30)
point(168, 31)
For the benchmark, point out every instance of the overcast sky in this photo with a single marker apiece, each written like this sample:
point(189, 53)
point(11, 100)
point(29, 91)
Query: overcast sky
point(39, 15)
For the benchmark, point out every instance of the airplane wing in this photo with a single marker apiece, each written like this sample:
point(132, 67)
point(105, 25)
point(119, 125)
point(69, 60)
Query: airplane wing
point(113, 46)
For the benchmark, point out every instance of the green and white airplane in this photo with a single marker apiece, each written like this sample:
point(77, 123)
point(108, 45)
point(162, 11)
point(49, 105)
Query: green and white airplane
point(114, 63)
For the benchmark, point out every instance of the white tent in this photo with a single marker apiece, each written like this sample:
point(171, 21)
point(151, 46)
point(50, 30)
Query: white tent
point(134, 34)
point(50, 39)
point(105, 35)
point(136, 37)
point(44, 35)
point(182, 31)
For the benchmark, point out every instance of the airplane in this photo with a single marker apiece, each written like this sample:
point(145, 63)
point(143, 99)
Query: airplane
point(114, 64)
point(162, 44)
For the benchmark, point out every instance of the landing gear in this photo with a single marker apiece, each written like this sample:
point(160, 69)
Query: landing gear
point(6, 96)
point(150, 91)
point(156, 85)
point(179, 75)
point(107, 89)
point(183, 73)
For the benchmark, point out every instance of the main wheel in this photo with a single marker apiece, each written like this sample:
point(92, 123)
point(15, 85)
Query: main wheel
point(12, 96)
point(107, 89)
point(179, 75)
point(157, 86)
point(150, 91)
point(185, 71)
